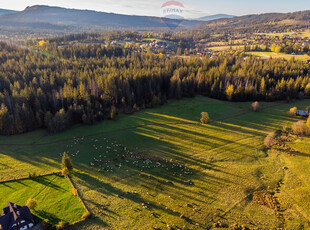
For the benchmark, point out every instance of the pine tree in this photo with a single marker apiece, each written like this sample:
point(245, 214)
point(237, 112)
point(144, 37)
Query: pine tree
point(66, 162)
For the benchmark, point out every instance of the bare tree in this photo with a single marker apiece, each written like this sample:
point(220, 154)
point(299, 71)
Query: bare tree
point(204, 118)
point(299, 127)
point(269, 140)
point(255, 106)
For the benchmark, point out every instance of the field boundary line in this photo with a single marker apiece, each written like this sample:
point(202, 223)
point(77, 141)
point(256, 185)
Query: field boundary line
point(78, 194)
point(27, 178)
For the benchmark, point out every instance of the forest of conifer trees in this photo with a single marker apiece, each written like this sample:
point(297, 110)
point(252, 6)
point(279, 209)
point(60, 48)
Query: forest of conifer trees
point(86, 84)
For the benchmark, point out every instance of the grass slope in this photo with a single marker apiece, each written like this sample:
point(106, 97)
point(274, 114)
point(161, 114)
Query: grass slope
point(294, 192)
point(162, 168)
point(302, 34)
point(53, 194)
point(280, 55)
point(225, 48)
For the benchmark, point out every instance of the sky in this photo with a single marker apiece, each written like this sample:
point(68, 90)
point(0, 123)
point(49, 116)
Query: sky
point(193, 8)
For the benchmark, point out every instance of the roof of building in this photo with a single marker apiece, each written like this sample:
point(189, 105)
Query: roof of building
point(302, 113)
point(14, 216)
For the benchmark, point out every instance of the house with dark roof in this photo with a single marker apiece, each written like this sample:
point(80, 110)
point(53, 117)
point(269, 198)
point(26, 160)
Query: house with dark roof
point(15, 217)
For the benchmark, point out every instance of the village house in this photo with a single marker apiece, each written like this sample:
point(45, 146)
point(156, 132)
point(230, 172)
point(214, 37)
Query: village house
point(14, 217)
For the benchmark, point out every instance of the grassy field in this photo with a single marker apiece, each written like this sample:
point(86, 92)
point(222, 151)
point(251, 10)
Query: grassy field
point(279, 55)
point(53, 194)
point(303, 34)
point(162, 168)
point(159, 40)
point(224, 48)
point(294, 193)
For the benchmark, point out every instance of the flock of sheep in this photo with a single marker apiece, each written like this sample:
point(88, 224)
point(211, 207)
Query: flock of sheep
point(109, 156)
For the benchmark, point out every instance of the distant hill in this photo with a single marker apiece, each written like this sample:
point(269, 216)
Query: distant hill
point(42, 18)
point(57, 18)
point(214, 17)
point(4, 11)
point(262, 22)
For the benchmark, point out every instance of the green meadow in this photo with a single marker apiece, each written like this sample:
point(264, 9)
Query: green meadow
point(161, 168)
point(55, 201)
point(304, 57)
point(225, 48)
point(302, 34)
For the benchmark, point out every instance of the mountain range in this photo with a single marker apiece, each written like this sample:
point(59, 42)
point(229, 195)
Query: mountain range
point(4, 11)
point(266, 22)
point(57, 18)
point(214, 17)
point(40, 17)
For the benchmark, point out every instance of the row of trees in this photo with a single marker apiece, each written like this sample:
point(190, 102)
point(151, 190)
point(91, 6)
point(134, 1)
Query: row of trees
point(85, 84)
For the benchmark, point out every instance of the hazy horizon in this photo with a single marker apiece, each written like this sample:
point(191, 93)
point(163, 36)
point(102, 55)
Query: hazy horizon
point(193, 9)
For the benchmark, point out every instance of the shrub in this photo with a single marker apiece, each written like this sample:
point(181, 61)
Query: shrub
point(66, 162)
point(265, 198)
point(65, 172)
point(74, 191)
point(269, 140)
point(204, 118)
point(32, 175)
point(31, 203)
point(86, 215)
point(61, 225)
point(293, 111)
point(255, 106)
point(299, 128)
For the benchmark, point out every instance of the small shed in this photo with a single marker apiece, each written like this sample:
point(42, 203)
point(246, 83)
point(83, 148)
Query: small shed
point(302, 113)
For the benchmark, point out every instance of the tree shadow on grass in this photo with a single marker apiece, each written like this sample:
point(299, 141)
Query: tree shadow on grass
point(96, 222)
point(49, 183)
point(20, 182)
point(52, 218)
point(298, 153)
point(101, 208)
point(6, 185)
point(108, 189)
